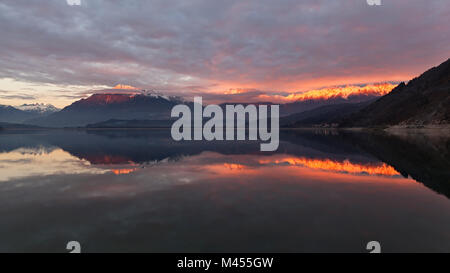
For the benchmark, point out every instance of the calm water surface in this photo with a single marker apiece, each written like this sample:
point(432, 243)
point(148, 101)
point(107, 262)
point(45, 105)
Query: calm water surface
point(139, 191)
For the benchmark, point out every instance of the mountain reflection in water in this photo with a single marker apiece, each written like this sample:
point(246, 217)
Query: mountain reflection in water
point(138, 190)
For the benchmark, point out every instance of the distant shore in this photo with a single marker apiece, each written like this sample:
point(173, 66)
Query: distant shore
point(392, 129)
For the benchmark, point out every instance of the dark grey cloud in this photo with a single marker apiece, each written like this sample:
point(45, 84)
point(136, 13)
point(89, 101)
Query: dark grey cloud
point(245, 96)
point(192, 45)
point(14, 95)
point(18, 96)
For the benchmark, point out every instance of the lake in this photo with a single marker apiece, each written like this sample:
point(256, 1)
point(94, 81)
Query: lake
point(140, 191)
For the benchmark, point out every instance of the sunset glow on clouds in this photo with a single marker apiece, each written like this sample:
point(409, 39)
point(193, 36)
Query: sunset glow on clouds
point(125, 87)
point(266, 49)
point(332, 92)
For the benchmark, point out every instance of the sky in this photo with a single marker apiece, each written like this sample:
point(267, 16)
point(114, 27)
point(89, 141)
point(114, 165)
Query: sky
point(57, 53)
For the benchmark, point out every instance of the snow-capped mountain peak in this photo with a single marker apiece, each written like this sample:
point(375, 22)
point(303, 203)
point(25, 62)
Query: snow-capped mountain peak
point(154, 94)
point(40, 108)
point(157, 95)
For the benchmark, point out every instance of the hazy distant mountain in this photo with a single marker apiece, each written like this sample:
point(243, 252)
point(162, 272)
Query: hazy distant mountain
point(103, 107)
point(333, 96)
point(38, 108)
point(324, 116)
point(8, 125)
point(425, 100)
point(134, 123)
point(293, 110)
point(25, 112)
point(310, 104)
point(14, 115)
point(148, 109)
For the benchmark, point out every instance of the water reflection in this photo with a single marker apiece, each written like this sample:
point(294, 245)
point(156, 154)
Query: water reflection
point(138, 190)
point(345, 166)
point(41, 161)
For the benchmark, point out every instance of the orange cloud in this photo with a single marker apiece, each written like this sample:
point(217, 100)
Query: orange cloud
point(336, 92)
point(248, 94)
point(344, 92)
point(125, 87)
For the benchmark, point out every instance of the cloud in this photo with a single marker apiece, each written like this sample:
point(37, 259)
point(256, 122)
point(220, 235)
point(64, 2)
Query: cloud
point(18, 96)
point(242, 96)
point(202, 46)
point(125, 87)
point(13, 95)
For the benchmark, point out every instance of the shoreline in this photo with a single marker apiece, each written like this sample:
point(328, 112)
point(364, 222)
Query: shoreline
point(396, 128)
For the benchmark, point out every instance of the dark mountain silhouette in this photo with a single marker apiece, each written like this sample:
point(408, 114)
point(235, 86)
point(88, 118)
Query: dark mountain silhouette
point(134, 123)
point(14, 115)
point(425, 100)
point(146, 110)
point(324, 116)
point(103, 107)
point(301, 106)
point(7, 125)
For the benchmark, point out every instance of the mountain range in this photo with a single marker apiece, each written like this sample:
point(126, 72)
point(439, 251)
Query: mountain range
point(103, 107)
point(424, 100)
point(324, 116)
point(38, 108)
point(150, 110)
point(25, 112)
